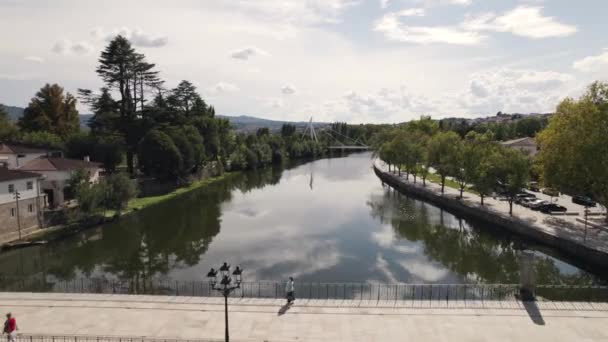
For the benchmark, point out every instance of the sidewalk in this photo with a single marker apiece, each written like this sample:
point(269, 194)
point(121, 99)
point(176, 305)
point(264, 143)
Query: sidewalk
point(267, 320)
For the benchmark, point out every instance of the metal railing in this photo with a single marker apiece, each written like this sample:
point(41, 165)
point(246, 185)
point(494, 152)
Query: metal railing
point(90, 338)
point(328, 291)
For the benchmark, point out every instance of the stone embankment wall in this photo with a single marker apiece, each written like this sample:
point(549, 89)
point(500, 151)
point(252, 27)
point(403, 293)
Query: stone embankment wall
point(530, 230)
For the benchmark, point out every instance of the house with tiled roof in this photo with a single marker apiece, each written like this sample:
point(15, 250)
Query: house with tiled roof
point(16, 155)
point(21, 202)
point(57, 171)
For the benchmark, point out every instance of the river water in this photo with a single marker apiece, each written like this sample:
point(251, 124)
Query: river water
point(329, 220)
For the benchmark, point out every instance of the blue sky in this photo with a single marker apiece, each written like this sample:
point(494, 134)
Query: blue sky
point(350, 60)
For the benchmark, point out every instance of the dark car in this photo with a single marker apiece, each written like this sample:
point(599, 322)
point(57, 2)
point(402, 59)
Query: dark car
point(583, 200)
point(552, 207)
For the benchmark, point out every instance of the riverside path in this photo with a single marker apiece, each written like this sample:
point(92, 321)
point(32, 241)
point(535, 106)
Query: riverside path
point(308, 320)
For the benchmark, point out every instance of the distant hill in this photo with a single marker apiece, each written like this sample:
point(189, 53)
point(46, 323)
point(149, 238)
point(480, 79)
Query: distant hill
point(242, 123)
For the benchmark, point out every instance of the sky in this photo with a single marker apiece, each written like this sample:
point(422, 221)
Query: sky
point(357, 61)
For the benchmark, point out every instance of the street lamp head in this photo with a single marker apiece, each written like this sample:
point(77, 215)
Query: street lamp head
point(225, 270)
point(212, 277)
point(237, 274)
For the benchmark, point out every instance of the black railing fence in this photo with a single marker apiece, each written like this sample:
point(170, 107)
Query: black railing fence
point(83, 338)
point(328, 291)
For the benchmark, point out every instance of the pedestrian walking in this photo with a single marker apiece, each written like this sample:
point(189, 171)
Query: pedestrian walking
point(10, 327)
point(289, 288)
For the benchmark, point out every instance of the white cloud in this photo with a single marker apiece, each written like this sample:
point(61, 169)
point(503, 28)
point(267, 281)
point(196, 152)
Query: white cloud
point(478, 89)
point(523, 21)
point(137, 37)
point(412, 12)
point(304, 12)
point(394, 29)
point(592, 63)
point(66, 46)
point(514, 90)
point(245, 53)
point(288, 90)
point(384, 3)
point(223, 87)
point(34, 59)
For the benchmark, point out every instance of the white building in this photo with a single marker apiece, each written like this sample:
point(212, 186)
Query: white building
point(15, 156)
point(57, 171)
point(21, 202)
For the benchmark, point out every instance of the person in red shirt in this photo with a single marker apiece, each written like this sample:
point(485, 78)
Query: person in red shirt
point(10, 327)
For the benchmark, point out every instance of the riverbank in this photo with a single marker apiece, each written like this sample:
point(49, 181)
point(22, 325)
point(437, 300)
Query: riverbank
point(39, 236)
point(590, 247)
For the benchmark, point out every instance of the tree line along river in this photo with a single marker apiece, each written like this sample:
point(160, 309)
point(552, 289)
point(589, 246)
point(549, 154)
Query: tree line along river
point(329, 220)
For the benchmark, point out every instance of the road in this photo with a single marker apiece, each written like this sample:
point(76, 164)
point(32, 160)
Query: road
point(265, 320)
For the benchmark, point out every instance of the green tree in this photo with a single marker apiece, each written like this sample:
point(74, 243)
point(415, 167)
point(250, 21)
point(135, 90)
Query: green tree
point(123, 69)
point(8, 131)
point(51, 111)
point(119, 189)
point(158, 156)
point(573, 149)
point(513, 171)
point(444, 154)
point(42, 139)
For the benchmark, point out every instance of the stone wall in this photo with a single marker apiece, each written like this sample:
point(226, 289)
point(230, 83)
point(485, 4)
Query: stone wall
point(28, 219)
point(510, 223)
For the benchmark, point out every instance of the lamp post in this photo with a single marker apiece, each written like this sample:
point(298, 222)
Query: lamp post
point(225, 286)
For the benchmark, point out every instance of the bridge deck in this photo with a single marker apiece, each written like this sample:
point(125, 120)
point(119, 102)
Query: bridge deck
point(314, 320)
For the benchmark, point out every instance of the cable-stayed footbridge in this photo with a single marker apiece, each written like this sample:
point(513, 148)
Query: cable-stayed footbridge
point(338, 141)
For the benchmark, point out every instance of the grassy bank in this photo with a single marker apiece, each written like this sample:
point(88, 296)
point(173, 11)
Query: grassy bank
point(60, 231)
point(144, 202)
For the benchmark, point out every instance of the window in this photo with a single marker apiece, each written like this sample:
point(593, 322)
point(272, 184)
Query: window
point(12, 212)
point(21, 156)
point(30, 185)
point(11, 188)
point(30, 208)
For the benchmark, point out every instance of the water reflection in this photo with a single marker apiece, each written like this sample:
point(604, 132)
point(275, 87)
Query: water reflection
point(330, 220)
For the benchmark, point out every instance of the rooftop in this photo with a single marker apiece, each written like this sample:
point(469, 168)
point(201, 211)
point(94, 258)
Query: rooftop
point(57, 164)
point(8, 175)
point(20, 149)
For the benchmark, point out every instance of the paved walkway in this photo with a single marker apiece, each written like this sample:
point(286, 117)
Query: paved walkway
point(561, 226)
point(266, 320)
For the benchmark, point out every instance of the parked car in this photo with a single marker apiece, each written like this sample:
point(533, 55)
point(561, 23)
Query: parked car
point(583, 200)
point(536, 204)
point(552, 207)
point(522, 196)
point(550, 192)
point(526, 201)
point(533, 186)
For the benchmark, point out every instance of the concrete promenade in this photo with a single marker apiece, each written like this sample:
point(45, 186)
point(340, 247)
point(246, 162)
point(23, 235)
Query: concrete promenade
point(314, 320)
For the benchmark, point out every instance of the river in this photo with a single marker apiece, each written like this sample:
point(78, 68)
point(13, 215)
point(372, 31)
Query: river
point(329, 220)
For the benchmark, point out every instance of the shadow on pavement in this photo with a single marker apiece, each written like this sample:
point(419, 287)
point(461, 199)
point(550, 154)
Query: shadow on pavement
point(283, 309)
point(534, 312)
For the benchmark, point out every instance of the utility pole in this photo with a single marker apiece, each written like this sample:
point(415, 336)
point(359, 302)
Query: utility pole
point(17, 197)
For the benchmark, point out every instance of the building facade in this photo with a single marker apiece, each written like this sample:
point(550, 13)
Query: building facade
point(21, 202)
point(56, 173)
